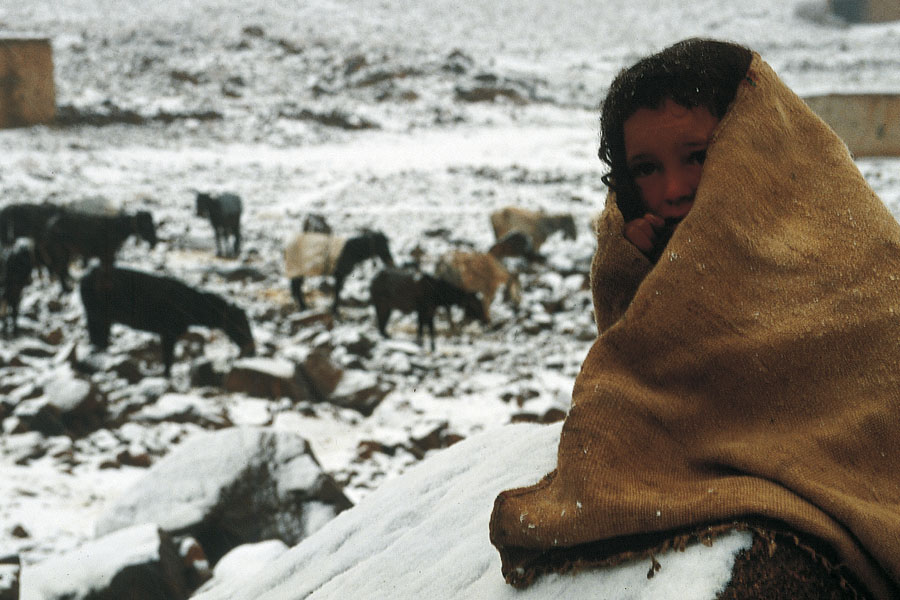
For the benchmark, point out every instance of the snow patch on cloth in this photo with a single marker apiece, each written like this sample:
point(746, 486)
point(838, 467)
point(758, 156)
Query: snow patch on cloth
point(422, 536)
point(754, 372)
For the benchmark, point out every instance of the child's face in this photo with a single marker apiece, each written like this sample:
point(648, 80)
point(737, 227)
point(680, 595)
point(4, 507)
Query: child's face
point(664, 151)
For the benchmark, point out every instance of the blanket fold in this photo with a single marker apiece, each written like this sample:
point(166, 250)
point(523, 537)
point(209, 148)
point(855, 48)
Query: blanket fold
point(751, 374)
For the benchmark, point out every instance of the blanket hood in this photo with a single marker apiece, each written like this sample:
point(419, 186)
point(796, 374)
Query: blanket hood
point(751, 375)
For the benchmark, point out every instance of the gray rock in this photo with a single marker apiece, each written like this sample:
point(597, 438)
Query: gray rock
point(139, 563)
point(235, 486)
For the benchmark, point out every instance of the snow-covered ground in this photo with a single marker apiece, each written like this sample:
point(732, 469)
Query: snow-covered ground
point(165, 98)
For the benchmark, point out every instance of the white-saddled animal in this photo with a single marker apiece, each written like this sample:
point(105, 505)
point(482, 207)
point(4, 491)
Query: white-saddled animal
point(538, 226)
point(479, 272)
point(313, 254)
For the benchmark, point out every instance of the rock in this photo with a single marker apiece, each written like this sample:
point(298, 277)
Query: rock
point(425, 535)
point(10, 570)
point(432, 437)
point(22, 447)
point(203, 374)
point(322, 373)
point(139, 563)
point(269, 378)
point(183, 408)
point(360, 390)
point(235, 486)
point(79, 403)
point(243, 563)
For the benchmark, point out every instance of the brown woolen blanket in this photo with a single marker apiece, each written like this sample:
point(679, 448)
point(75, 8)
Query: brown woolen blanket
point(751, 375)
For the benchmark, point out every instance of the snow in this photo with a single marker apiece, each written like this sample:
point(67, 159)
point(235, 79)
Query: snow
point(425, 535)
point(433, 163)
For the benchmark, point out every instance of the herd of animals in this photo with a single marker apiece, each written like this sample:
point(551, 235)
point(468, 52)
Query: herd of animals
point(48, 237)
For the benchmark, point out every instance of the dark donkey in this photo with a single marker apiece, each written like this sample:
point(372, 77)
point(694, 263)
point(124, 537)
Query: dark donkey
point(369, 244)
point(158, 304)
point(224, 214)
point(73, 233)
point(393, 289)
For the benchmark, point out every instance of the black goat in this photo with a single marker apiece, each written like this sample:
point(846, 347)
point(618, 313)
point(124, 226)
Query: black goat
point(73, 233)
point(158, 304)
point(224, 212)
point(25, 220)
point(393, 289)
point(15, 273)
point(314, 222)
point(311, 254)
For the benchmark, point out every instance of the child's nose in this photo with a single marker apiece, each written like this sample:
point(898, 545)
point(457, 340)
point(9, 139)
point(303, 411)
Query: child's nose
point(680, 184)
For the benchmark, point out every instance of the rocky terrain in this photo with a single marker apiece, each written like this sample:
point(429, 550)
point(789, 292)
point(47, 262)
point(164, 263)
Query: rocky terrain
point(417, 124)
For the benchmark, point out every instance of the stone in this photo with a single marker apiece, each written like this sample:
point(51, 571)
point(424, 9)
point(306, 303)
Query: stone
point(268, 378)
point(139, 563)
point(231, 487)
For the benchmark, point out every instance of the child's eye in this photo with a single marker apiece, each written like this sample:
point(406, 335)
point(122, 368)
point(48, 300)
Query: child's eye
point(698, 157)
point(642, 169)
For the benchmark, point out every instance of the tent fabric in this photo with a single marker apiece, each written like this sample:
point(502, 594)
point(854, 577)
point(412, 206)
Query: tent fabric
point(751, 375)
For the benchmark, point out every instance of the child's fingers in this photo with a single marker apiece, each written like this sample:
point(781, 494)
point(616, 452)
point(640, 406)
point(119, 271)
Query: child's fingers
point(655, 221)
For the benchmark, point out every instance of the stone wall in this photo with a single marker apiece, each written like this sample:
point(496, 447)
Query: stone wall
point(866, 11)
point(27, 92)
point(868, 123)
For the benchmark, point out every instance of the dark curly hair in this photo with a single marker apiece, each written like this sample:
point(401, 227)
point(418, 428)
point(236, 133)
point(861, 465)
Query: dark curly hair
point(693, 72)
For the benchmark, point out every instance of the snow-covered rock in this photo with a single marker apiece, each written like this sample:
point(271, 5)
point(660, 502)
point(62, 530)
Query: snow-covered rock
point(139, 562)
point(425, 535)
point(232, 487)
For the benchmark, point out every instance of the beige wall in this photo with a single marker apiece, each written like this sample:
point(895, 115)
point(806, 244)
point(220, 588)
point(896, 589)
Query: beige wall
point(27, 92)
point(883, 10)
point(868, 123)
point(866, 11)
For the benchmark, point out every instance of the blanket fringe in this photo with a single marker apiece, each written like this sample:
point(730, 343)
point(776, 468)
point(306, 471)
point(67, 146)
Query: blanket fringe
point(522, 565)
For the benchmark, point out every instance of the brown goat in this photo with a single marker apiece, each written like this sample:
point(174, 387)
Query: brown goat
point(538, 226)
point(481, 273)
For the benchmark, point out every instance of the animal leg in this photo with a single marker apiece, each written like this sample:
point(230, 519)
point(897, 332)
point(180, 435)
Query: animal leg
point(426, 317)
point(237, 242)
point(219, 242)
point(167, 341)
point(297, 292)
point(382, 314)
point(338, 285)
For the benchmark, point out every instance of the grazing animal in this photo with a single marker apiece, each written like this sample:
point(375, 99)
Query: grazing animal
point(25, 220)
point(315, 254)
point(393, 289)
point(74, 233)
point(514, 243)
point(224, 213)
point(314, 222)
point(481, 273)
point(15, 273)
point(157, 304)
point(536, 225)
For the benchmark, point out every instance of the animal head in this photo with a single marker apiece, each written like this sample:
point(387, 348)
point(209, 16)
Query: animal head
point(145, 227)
point(204, 200)
point(237, 327)
point(564, 223)
point(567, 225)
point(378, 243)
point(473, 307)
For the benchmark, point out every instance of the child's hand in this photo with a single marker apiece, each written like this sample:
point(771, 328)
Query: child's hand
point(642, 232)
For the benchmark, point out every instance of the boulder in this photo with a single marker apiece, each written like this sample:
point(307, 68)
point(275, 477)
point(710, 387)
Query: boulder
point(232, 487)
point(138, 563)
point(425, 535)
point(360, 390)
point(10, 570)
point(243, 563)
point(269, 378)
